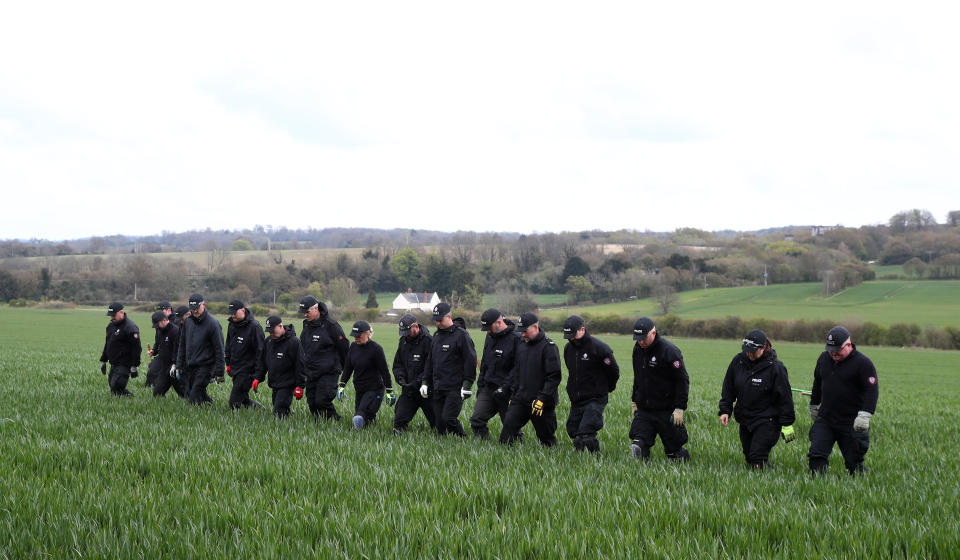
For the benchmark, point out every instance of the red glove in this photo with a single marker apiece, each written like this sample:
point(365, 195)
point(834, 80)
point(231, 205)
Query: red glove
point(254, 386)
point(297, 393)
point(228, 370)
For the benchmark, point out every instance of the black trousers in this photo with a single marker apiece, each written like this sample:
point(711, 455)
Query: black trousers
point(153, 371)
point(446, 410)
point(585, 420)
point(367, 404)
point(199, 379)
point(282, 398)
point(118, 379)
point(240, 394)
point(853, 446)
point(320, 392)
point(648, 424)
point(407, 406)
point(489, 404)
point(758, 441)
point(520, 412)
point(164, 383)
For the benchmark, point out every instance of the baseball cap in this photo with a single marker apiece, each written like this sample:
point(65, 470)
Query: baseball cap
point(571, 326)
point(440, 310)
point(406, 322)
point(488, 318)
point(642, 327)
point(163, 305)
point(755, 340)
point(307, 302)
point(235, 305)
point(113, 308)
point(526, 319)
point(182, 311)
point(157, 317)
point(835, 338)
point(272, 321)
point(359, 328)
point(195, 301)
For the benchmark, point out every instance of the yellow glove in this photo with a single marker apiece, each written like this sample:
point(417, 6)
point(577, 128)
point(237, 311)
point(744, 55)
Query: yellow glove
point(537, 408)
point(677, 417)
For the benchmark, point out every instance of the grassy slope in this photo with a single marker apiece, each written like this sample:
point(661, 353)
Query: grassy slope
point(86, 474)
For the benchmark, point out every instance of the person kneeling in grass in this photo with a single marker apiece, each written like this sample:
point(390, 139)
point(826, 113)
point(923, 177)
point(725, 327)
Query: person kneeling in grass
point(366, 358)
point(282, 359)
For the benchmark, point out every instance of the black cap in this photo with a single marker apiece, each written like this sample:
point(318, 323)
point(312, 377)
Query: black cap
point(526, 319)
point(440, 310)
point(755, 340)
point(272, 321)
point(307, 302)
point(163, 305)
point(359, 328)
point(195, 301)
point(488, 318)
point(405, 322)
point(157, 317)
point(113, 308)
point(642, 327)
point(571, 326)
point(182, 311)
point(835, 338)
point(235, 305)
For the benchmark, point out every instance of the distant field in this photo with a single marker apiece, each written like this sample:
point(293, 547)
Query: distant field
point(926, 303)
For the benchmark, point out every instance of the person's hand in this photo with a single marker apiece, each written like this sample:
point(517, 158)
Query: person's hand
point(133, 371)
point(341, 391)
point(814, 410)
point(862, 422)
point(724, 420)
point(254, 385)
point(391, 398)
point(103, 368)
point(788, 434)
point(298, 393)
point(172, 372)
point(423, 390)
point(633, 408)
point(219, 379)
point(228, 370)
point(465, 394)
point(536, 408)
point(677, 417)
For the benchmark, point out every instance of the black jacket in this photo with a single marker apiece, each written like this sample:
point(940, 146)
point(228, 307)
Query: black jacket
point(411, 358)
point(370, 364)
point(592, 370)
point(845, 388)
point(244, 344)
point(324, 345)
point(499, 355)
point(761, 390)
point(453, 361)
point(201, 343)
point(122, 345)
point(660, 380)
point(282, 358)
point(537, 373)
point(168, 340)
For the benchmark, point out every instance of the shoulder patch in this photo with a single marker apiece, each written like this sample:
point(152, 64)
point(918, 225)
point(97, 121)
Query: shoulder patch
point(872, 380)
point(676, 364)
point(607, 361)
point(136, 335)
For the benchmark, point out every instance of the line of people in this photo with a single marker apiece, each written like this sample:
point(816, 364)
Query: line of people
point(519, 377)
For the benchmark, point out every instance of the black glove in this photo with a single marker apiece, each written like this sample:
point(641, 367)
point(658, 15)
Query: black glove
point(103, 368)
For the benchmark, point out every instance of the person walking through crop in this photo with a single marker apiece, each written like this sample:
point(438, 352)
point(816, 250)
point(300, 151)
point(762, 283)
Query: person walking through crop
point(242, 351)
point(592, 374)
point(413, 351)
point(450, 371)
point(121, 350)
point(281, 363)
point(842, 402)
point(154, 370)
point(757, 382)
point(366, 359)
point(200, 356)
point(660, 390)
point(325, 349)
point(496, 366)
point(534, 394)
point(165, 355)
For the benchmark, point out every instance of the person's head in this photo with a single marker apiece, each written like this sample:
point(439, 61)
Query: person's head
point(238, 311)
point(408, 326)
point(574, 328)
point(755, 344)
point(165, 307)
point(839, 345)
point(115, 312)
point(310, 308)
point(182, 312)
point(361, 332)
point(159, 320)
point(441, 315)
point(274, 326)
point(644, 332)
point(492, 320)
point(197, 305)
point(529, 326)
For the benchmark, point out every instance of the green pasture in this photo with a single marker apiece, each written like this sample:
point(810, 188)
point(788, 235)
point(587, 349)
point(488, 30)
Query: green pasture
point(88, 475)
point(925, 303)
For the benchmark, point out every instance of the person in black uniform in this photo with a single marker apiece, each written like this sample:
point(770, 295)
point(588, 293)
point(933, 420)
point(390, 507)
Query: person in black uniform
point(154, 370)
point(758, 382)
point(165, 355)
point(324, 348)
point(660, 390)
point(242, 352)
point(842, 402)
point(282, 360)
point(366, 358)
point(496, 365)
point(201, 350)
point(450, 371)
point(413, 351)
point(592, 374)
point(121, 350)
point(534, 394)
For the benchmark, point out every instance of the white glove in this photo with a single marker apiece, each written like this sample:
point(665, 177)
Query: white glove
point(814, 410)
point(133, 371)
point(465, 394)
point(423, 390)
point(173, 370)
point(862, 422)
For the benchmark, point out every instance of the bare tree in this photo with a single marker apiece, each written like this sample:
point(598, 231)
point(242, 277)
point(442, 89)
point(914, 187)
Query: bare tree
point(666, 297)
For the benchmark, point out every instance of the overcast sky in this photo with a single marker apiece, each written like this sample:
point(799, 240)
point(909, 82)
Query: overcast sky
point(133, 118)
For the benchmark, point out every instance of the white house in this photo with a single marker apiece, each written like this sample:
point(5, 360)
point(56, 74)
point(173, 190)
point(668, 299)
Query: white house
point(422, 301)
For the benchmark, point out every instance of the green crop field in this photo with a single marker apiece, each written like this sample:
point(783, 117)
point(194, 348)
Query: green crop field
point(926, 303)
point(89, 475)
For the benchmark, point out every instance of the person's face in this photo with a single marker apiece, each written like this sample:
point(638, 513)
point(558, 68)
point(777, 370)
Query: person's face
point(646, 341)
point(531, 332)
point(414, 331)
point(843, 352)
point(313, 313)
point(445, 322)
point(363, 338)
point(498, 325)
point(167, 311)
point(580, 332)
point(200, 309)
point(163, 323)
point(240, 314)
point(277, 331)
point(756, 354)
point(118, 316)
